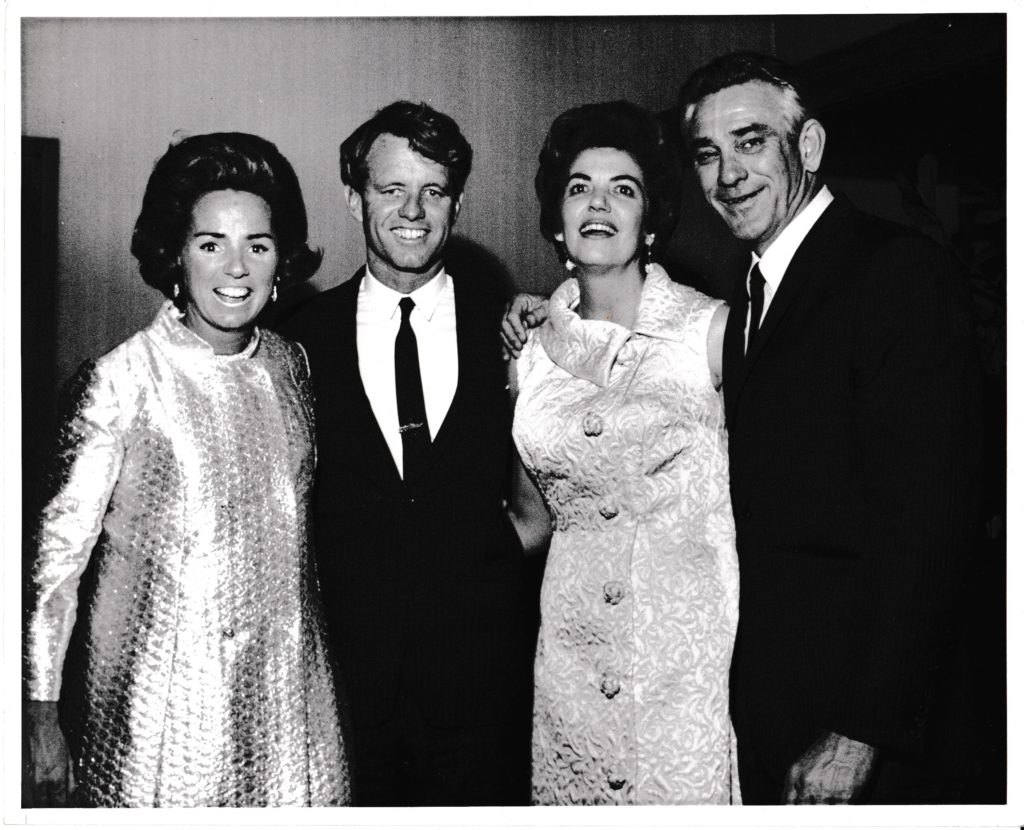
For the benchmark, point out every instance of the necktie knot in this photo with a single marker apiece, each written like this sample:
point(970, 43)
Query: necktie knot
point(406, 304)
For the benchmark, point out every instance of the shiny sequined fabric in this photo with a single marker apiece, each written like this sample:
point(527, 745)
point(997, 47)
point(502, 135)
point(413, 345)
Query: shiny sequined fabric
point(624, 433)
point(198, 672)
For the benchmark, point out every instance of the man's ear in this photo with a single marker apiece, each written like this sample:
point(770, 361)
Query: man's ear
point(456, 207)
point(355, 202)
point(812, 144)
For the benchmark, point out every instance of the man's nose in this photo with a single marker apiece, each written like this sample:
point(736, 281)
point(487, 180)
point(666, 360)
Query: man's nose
point(412, 207)
point(730, 171)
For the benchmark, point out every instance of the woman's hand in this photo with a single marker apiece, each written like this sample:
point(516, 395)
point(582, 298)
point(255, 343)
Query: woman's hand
point(526, 311)
point(49, 759)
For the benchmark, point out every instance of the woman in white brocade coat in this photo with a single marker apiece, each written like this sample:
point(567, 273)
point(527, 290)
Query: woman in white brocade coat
point(620, 424)
point(198, 673)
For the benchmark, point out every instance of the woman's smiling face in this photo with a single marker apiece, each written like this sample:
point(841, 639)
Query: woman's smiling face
point(229, 260)
point(603, 209)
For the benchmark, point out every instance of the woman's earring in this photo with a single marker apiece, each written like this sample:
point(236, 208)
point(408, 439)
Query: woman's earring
point(648, 261)
point(177, 290)
point(569, 265)
point(273, 293)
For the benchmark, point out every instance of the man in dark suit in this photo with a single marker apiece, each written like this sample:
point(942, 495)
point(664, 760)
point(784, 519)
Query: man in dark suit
point(852, 402)
point(418, 562)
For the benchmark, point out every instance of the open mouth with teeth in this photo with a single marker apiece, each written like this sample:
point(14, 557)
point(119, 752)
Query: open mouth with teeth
point(410, 234)
point(597, 230)
point(233, 294)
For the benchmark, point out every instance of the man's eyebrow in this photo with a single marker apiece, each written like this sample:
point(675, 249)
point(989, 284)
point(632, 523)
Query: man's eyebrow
point(761, 129)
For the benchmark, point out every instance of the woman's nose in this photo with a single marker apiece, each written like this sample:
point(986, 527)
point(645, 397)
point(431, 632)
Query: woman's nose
point(236, 266)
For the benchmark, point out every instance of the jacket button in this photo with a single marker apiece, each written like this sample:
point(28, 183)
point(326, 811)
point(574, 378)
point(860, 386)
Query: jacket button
point(593, 425)
point(610, 686)
point(614, 592)
point(616, 782)
point(608, 510)
point(228, 633)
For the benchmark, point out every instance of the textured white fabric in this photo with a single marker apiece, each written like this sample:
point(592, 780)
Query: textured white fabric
point(202, 676)
point(624, 433)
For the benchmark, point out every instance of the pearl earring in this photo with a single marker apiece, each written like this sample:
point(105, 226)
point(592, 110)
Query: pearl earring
point(649, 264)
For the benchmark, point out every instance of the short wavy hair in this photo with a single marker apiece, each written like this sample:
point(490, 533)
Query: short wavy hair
point(737, 68)
point(430, 133)
point(622, 126)
point(201, 164)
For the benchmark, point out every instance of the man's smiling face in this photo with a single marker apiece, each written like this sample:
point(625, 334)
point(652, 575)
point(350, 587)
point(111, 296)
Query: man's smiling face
point(750, 169)
point(407, 212)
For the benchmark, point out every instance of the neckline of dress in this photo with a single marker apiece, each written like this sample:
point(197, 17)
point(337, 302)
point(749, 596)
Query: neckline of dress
point(170, 324)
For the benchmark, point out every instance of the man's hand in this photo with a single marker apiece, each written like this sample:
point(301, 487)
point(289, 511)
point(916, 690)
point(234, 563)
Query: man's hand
point(833, 771)
point(49, 760)
point(526, 311)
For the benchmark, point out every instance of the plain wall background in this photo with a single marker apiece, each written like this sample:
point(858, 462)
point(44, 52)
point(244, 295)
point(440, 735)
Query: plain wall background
point(115, 92)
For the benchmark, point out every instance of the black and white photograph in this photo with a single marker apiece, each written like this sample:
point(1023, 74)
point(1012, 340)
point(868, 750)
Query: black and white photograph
point(499, 416)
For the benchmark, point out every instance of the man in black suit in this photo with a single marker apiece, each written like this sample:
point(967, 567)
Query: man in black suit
point(418, 563)
point(852, 402)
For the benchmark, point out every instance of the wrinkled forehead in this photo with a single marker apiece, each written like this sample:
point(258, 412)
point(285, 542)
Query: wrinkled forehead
point(735, 108)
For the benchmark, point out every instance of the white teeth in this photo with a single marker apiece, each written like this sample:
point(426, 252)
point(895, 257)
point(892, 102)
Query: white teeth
point(597, 226)
point(233, 293)
point(409, 233)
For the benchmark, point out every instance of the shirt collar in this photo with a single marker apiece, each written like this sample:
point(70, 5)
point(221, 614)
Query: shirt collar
point(384, 300)
point(780, 253)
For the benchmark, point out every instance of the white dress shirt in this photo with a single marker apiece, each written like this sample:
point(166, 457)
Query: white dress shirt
point(780, 253)
point(433, 322)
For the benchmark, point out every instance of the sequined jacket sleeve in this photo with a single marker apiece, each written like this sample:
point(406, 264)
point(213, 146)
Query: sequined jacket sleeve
point(87, 462)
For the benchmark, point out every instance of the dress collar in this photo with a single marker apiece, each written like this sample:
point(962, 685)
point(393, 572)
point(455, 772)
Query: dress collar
point(587, 349)
point(171, 329)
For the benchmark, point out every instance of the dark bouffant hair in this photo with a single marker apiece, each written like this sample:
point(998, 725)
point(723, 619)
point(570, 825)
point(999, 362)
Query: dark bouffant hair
point(200, 164)
point(430, 133)
point(622, 126)
point(738, 68)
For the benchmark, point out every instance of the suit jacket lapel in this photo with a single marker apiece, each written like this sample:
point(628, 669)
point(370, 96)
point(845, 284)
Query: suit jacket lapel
point(471, 332)
point(365, 442)
point(806, 263)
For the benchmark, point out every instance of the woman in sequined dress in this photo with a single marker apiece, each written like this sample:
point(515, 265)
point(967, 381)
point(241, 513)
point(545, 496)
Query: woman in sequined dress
point(198, 673)
point(619, 422)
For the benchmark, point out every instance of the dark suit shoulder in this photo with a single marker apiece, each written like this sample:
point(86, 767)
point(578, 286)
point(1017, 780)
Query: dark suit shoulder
point(320, 314)
point(481, 295)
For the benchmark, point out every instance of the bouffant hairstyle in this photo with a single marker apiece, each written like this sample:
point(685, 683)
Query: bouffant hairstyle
point(622, 126)
point(738, 68)
point(430, 133)
point(200, 164)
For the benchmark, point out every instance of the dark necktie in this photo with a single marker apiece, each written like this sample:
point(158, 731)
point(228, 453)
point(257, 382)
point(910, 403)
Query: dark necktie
point(756, 305)
point(412, 416)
